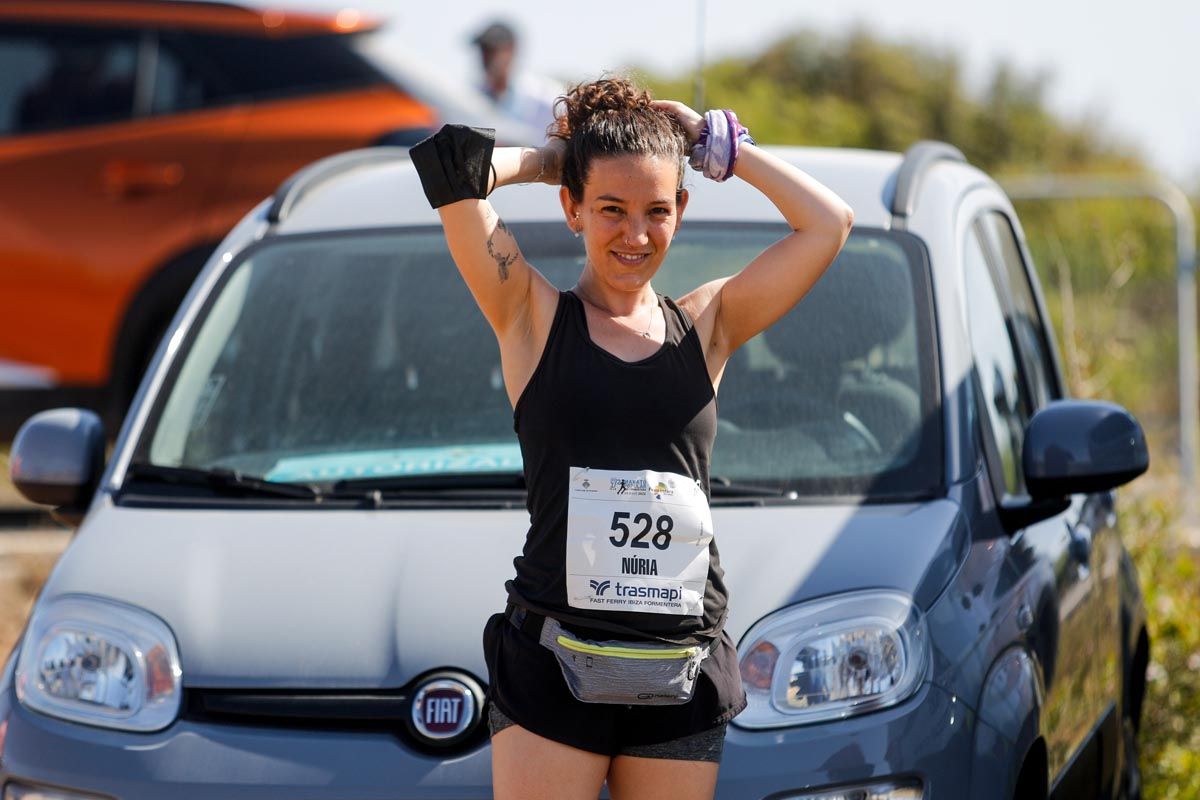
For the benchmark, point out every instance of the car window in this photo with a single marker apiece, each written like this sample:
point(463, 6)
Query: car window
point(1004, 395)
point(363, 355)
point(1026, 322)
point(179, 84)
point(53, 78)
point(263, 67)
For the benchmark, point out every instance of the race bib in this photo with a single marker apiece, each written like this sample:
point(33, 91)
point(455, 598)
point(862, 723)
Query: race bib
point(637, 540)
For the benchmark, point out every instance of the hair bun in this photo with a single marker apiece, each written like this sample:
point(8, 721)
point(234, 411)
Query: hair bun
point(586, 100)
point(613, 117)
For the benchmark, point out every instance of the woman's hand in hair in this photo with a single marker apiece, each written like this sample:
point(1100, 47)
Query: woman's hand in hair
point(689, 119)
point(553, 152)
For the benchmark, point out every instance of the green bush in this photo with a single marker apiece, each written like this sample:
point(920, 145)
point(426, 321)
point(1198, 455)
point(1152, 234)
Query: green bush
point(1168, 569)
point(858, 91)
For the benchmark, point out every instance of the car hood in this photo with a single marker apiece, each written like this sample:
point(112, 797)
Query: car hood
point(374, 598)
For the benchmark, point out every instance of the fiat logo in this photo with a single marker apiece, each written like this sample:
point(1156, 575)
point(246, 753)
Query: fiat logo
point(443, 709)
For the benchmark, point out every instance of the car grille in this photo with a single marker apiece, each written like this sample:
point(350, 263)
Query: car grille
point(346, 709)
point(387, 711)
point(290, 708)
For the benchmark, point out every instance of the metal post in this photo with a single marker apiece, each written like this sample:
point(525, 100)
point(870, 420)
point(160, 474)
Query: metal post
point(698, 84)
point(1050, 187)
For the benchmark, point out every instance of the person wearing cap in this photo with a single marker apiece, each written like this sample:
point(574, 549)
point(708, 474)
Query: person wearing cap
point(526, 98)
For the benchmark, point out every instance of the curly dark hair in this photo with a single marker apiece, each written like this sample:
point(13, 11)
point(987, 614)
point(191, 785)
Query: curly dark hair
point(613, 117)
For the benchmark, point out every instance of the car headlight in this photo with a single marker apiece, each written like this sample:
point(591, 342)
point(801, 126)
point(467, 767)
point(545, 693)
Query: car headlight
point(99, 662)
point(832, 658)
point(904, 790)
point(17, 791)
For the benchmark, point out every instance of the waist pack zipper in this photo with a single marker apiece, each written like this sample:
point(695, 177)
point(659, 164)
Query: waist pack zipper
point(626, 652)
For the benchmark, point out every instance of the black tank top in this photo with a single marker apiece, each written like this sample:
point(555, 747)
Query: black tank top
point(584, 407)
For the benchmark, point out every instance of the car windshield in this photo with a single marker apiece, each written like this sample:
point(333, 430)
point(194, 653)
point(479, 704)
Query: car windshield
point(361, 356)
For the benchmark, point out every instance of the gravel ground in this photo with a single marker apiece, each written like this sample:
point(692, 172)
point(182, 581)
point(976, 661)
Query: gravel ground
point(9, 496)
point(27, 554)
point(26, 558)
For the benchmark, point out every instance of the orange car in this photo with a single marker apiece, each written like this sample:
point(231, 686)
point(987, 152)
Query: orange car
point(133, 135)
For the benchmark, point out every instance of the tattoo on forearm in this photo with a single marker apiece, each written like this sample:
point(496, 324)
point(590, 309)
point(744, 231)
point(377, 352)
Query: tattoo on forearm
point(503, 255)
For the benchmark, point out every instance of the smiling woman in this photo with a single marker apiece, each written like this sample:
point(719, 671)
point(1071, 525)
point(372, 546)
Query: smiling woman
point(628, 230)
point(622, 190)
point(613, 389)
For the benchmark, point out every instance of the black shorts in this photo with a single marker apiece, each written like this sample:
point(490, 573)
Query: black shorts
point(527, 686)
point(704, 746)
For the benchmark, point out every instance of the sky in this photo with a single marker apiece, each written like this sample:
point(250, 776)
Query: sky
point(1130, 68)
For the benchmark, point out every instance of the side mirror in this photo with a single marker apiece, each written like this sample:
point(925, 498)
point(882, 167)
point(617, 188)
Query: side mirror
point(57, 458)
point(1081, 446)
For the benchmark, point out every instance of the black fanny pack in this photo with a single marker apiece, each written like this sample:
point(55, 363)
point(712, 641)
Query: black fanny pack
point(616, 671)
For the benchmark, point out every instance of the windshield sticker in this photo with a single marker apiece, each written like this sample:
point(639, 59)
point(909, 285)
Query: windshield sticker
point(406, 461)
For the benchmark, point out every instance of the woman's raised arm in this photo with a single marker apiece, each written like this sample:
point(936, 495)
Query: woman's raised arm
point(781, 275)
point(771, 284)
point(484, 249)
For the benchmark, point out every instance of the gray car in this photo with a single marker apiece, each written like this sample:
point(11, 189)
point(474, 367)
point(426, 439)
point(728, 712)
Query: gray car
point(282, 573)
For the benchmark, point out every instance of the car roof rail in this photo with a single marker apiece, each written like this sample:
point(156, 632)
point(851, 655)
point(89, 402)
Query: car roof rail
point(917, 160)
point(292, 191)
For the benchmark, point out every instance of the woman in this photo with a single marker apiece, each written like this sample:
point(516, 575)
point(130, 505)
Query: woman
point(610, 662)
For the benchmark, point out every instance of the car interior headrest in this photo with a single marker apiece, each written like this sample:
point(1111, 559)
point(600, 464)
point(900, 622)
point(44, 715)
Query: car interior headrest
point(863, 300)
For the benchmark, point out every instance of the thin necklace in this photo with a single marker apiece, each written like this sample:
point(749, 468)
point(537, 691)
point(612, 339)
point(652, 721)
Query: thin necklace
point(649, 323)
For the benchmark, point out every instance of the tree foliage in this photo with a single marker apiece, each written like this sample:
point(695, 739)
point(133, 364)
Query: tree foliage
point(859, 91)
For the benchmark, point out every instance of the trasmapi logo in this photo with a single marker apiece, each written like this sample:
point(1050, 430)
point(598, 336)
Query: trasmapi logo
point(669, 595)
point(666, 595)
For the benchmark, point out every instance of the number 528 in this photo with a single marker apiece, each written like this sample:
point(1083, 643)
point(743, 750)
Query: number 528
point(662, 530)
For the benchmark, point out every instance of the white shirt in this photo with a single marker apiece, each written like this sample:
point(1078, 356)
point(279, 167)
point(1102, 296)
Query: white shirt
point(529, 100)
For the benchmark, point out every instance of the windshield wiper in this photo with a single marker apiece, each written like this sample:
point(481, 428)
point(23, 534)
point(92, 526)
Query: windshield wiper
point(219, 479)
point(447, 483)
point(720, 486)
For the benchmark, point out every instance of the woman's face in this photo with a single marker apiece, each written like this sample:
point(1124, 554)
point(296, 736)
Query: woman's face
point(627, 217)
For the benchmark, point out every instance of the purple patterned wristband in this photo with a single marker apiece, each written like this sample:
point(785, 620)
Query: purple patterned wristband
point(734, 130)
point(716, 150)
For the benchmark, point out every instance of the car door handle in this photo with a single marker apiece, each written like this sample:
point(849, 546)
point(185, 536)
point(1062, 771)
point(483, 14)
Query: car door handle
point(140, 178)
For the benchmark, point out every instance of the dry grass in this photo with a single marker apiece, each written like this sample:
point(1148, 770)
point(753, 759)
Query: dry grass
point(1168, 571)
point(9, 496)
point(21, 578)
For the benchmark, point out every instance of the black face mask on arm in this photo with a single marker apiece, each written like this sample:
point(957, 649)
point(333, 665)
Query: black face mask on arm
point(453, 164)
